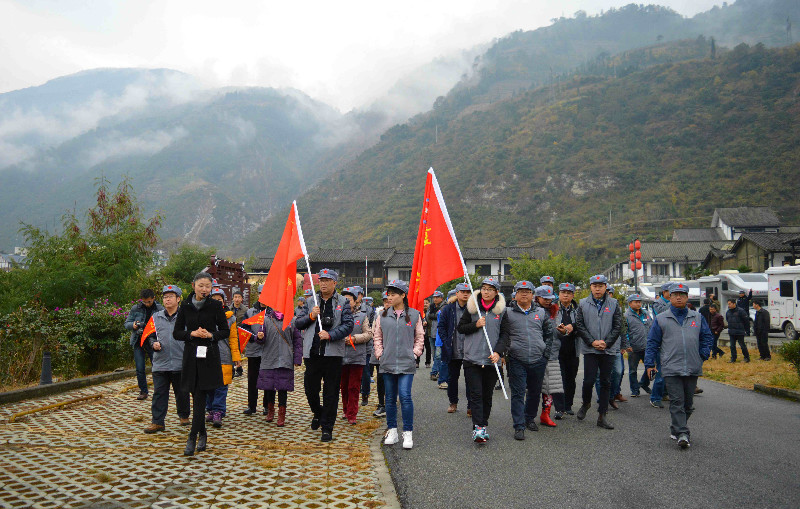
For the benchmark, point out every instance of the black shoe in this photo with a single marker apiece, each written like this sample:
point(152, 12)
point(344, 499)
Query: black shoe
point(747, 360)
point(731, 361)
point(582, 412)
point(569, 412)
point(249, 411)
point(646, 388)
point(656, 404)
point(767, 358)
point(559, 416)
point(519, 434)
point(365, 401)
point(603, 423)
point(532, 425)
point(265, 412)
point(327, 436)
point(315, 423)
point(201, 442)
point(191, 443)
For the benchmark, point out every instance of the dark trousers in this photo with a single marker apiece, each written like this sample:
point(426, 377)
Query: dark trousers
point(634, 358)
point(428, 351)
point(480, 388)
point(323, 373)
point(199, 398)
point(681, 399)
point(738, 338)
point(365, 378)
point(139, 359)
point(715, 349)
point(454, 372)
point(283, 397)
point(592, 363)
point(762, 340)
point(569, 371)
point(161, 383)
point(524, 377)
point(253, 366)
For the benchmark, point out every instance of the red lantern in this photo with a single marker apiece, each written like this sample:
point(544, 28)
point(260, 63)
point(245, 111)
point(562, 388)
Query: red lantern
point(631, 266)
point(630, 247)
point(638, 255)
point(639, 264)
point(632, 258)
point(638, 244)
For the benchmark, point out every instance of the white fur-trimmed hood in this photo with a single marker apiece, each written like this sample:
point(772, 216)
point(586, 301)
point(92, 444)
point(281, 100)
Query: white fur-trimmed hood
point(472, 303)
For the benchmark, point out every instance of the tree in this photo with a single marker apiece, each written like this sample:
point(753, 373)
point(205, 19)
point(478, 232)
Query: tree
point(99, 259)
point(563, 268)
point(184, 263)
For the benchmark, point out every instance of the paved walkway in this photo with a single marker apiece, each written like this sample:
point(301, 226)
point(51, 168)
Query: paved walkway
point(745, 453)
point(94, 454)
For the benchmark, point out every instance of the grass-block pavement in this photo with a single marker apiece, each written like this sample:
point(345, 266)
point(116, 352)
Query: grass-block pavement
point(94, 454)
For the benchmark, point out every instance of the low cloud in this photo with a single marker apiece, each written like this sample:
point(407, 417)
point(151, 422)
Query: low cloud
point(116, 145)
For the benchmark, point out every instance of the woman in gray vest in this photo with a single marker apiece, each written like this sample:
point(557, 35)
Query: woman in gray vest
point(355, 356)
point(552, 383)
point(599, 322)
point(380, 410)
point(398, 340)
point(485, 312)
point(281, 352)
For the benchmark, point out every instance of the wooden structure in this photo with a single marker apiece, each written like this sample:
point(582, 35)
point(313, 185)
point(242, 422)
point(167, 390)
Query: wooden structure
point(231, 276)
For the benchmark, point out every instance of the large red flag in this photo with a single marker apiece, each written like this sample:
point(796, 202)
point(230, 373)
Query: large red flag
point(437, 258)
point(150, 328)
point(281, 283)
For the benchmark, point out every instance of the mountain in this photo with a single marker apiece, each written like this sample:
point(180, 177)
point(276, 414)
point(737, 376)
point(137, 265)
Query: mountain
point(670, 141)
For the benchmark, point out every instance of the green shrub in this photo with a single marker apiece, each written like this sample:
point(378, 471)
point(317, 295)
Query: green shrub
point(791, 352)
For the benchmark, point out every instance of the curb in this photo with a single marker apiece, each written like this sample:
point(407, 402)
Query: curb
point(40, 391)
point(778, 393)
point(382, 472)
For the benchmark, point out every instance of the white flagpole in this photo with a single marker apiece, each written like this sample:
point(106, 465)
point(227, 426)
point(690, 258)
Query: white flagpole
point(305, 254)
point(442, 204)
point(366, 275)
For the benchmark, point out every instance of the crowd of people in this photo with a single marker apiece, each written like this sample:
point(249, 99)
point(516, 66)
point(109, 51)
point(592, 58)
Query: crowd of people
point(534, 343)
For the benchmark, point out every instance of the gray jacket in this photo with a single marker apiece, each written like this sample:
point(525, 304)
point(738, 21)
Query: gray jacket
point(398, 336)
point(170, 357)
point(277, 347)
point(526, 337)
point(253, 347)
point(225, 354)
point(603, 324)
point(476, 350)
point(638, 325)
point(659, 305)
point(356, 353)
point(138, 314)
point(342, 327)
point(683, 348)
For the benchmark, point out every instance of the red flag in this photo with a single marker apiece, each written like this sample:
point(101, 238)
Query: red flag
point(244, 337)
point(255, 319)
point(437, 258)
point(281, 283)
point(150, 328)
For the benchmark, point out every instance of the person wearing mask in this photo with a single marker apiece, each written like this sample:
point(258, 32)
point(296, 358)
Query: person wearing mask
point(167, 360)
point(738, 323)
point(398, 340)
point(137, 318)
point(325, 329)
point(637, 327)
point(453, 342)
point(201, 324)
point(526, 337)
point(684, 340)
point(568, 358)
point(485, 312)
point(598, 322)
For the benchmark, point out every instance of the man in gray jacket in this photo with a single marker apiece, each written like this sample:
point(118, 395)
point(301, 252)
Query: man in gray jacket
point(683, 339)
point(167, 362)
point(599, 322)
point(638, 326)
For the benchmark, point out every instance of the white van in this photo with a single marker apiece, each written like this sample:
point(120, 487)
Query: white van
point(727, 283)
point(784, 299)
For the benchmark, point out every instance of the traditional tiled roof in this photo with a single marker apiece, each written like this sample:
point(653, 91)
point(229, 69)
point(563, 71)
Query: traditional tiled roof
point(772, 242)
point(746, 217)
point(401, 260)
point(670, 251)
point(322, 255)
point(496, 253)
point(698, 234)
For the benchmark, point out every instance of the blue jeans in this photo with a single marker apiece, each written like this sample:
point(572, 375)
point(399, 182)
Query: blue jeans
point(139, 356)
point(658, 382)
point(633, 367)
point(215, 402)
point(401, 384)
point(617, 373)
point(437, 357)
point(522, 377)
point(444, 368)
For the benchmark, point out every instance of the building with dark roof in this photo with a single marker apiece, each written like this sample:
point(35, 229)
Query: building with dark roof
point(698, 234)
point(735, 221)
point(759, 251)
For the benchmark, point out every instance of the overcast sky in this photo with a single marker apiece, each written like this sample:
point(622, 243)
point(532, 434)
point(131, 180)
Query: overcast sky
point(345, 53)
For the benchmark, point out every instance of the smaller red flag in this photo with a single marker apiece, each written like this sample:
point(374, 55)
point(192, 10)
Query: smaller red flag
point(150, 328)
point(244, 337)
point(255, 319)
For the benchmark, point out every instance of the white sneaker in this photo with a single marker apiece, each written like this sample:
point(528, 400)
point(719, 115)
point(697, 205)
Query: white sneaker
point(391, 438)
point(407, 442)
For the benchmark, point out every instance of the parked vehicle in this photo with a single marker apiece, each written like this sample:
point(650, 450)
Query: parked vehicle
point(783, 301)
point(727, 284)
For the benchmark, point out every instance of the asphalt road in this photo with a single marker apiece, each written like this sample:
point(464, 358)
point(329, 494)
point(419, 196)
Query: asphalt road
point(745, 453)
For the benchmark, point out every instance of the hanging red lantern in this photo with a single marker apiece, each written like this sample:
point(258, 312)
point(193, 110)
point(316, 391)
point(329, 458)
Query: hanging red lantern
point(639, 264)
point(632, 258)
point(637, 244)
point(630, 247)
point(638, 255)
